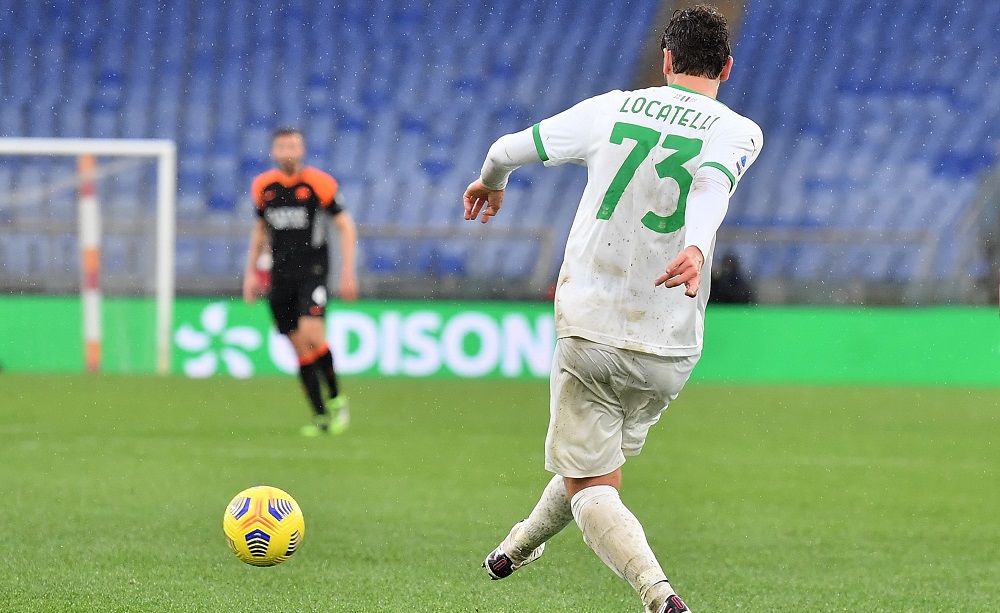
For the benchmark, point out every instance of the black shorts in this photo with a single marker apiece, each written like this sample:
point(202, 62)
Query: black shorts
point(294, 298)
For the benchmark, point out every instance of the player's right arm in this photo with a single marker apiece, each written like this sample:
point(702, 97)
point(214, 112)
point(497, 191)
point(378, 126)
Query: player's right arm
point(251, 282)
point(253, 286)
point(557, 140)
point(509, 153)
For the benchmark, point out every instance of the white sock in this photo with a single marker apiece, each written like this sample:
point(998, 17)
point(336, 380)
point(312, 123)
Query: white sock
point(550, 515)
point(617, 537)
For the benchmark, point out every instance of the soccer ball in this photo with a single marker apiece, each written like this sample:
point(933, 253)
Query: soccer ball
point(264, 525)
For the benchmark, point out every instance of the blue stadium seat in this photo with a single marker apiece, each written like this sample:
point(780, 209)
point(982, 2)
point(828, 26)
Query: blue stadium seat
point(396, 104)
point(895, 143)
point(14, 254)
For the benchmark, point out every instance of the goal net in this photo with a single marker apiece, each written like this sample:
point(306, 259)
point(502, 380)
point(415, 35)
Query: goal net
point(94, 217)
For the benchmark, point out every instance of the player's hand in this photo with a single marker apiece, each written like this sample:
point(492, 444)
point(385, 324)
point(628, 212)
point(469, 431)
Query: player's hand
point(479, 198)
point(684, 270)
point(252, 287)
point(348, 287)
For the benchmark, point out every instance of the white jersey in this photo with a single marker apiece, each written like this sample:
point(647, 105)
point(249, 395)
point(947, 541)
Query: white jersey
point(642, 150)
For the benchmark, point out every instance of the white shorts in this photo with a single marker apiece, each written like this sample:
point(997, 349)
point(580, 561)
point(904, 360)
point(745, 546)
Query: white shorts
point(603, 402)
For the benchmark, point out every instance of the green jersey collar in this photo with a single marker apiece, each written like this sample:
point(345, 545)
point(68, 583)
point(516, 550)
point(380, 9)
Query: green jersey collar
point(691, 91)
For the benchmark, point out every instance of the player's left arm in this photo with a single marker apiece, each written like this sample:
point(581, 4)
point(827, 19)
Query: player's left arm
point(726, 160)
point(332, 202)
point(348, 253)
point(707, 204)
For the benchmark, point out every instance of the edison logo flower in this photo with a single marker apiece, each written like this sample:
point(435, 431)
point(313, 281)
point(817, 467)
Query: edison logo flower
point(216, 343)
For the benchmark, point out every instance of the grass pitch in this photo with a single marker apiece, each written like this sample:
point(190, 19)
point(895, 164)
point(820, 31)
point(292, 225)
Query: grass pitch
point(756, 499)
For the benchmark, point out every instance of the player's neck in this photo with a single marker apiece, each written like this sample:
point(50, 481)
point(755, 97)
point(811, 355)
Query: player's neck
point(291, 171)
point(706, 87)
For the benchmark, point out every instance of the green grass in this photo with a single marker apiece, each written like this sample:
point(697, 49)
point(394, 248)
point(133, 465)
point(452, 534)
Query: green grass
point(756, 499)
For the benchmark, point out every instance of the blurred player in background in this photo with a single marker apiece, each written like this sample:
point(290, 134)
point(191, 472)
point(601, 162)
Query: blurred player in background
point(662, 165)
point(295, 206)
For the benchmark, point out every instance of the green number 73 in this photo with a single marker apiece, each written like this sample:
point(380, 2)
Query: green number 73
point(672, 167)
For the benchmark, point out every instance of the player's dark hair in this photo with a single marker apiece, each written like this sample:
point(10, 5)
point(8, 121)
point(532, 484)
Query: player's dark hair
point(287, 131)
point(698, 40)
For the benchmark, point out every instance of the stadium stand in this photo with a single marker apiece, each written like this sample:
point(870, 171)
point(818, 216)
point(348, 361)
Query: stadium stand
point(880, 118)
point(399, 100)
point(877, 132)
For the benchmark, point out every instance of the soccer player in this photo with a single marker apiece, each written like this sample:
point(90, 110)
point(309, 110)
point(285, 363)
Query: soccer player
point(630, 300)
point(295, 206)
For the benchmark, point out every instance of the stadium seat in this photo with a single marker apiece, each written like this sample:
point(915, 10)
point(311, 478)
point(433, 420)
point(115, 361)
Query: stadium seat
point(896, 143)
point(395, 104)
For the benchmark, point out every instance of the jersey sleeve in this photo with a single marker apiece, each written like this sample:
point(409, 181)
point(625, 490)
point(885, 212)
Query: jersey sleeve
point(707, 204)
point(507, 154)
point(325, 187)
point(567, 137)
point(733, 150)
point(257, 193)
point(337, 206)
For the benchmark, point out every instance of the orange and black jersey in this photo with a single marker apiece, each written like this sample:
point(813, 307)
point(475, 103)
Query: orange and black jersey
point(297, 210)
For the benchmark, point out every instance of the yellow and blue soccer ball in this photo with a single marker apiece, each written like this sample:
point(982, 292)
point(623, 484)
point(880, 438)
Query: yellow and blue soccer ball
point(264, 525)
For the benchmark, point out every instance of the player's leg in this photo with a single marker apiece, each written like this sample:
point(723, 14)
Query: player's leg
point(303, 340)
point(585, 443)
point(336, 401)
point(312, 311)
point(607, 404)
point(551, 514)
point(284, 301)
point(616, 536)
point(526, 540)
point(325, 362)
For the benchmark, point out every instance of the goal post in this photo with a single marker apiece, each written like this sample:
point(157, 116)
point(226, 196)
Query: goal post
point(164, 152)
